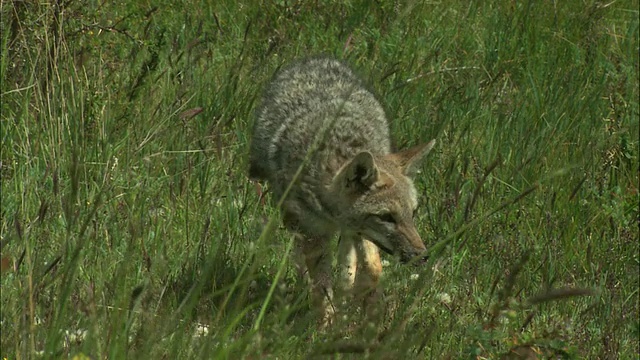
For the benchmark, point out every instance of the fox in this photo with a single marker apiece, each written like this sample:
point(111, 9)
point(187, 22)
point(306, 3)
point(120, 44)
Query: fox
point(321, 140)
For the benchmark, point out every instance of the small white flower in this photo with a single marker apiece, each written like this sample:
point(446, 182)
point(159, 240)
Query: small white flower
point(201, 331)
point(74, 337)
point(36, 320)
point(414, 276)
point(385, 263)
point(444, 298)
point(114, 165)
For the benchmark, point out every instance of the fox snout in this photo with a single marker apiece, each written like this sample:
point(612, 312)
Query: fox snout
point(403, 241)
point(415, 257)
point(411, 247)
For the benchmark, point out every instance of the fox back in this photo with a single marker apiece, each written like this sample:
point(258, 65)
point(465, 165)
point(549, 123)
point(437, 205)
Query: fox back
point(303, 100)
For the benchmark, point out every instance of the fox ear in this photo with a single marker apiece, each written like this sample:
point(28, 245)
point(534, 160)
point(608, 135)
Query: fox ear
point(361, 172)
point(410, 159)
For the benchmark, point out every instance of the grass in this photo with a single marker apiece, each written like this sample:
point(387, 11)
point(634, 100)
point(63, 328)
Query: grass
point(129, 228)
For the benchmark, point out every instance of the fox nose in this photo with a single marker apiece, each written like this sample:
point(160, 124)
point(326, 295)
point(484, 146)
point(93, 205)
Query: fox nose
point(415, 257)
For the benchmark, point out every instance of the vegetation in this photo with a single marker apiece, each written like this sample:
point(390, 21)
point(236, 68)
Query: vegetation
point(130, 230)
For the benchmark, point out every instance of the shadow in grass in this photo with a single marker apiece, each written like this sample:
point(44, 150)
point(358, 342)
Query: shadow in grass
point(211, 293)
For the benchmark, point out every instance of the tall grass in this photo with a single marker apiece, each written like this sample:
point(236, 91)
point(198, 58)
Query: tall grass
point(129, 228)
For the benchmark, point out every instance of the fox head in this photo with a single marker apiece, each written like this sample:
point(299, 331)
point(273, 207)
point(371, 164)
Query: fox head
point(377, 199)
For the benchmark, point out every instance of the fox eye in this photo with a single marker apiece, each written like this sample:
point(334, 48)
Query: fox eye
point(387, 217)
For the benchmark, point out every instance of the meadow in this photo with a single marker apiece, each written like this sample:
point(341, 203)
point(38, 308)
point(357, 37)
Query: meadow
point(129, 228)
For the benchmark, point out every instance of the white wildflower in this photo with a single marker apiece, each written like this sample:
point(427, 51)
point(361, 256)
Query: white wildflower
point(202, 330)
point(444, 298)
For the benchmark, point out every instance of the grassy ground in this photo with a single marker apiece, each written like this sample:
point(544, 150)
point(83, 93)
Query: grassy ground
point(129, 228)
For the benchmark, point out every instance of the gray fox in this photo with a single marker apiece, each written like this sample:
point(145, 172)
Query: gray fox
point(321, 139)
